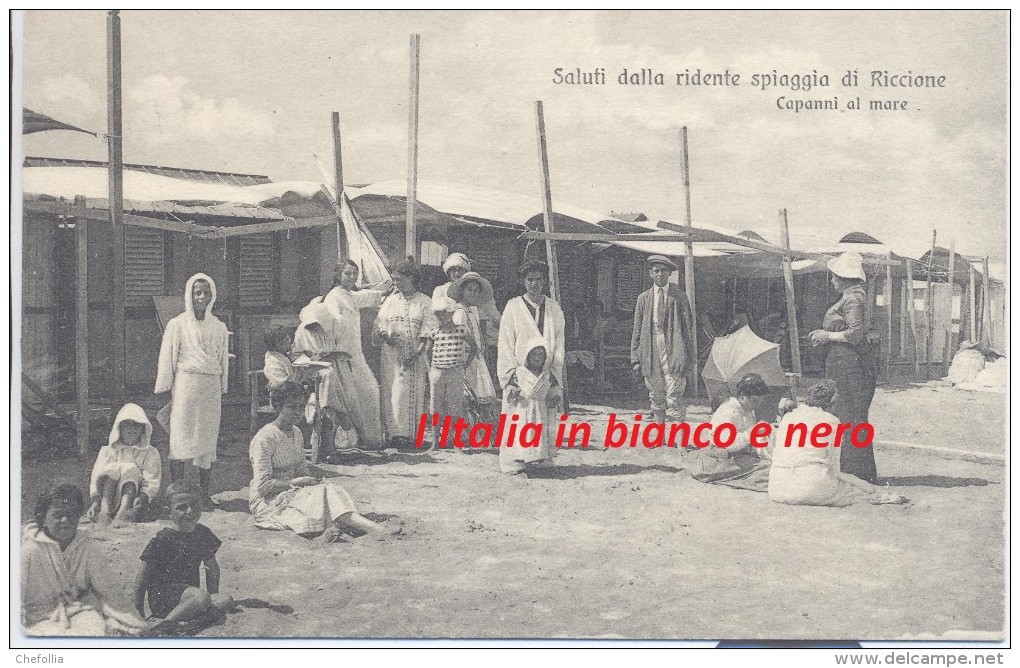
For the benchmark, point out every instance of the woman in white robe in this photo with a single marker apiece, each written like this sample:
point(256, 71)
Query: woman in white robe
point(401, 328)
point(193, 362)
point(525, 317)
point(359, 384)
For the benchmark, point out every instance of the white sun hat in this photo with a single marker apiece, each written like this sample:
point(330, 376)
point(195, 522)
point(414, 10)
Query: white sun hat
point(848, 265)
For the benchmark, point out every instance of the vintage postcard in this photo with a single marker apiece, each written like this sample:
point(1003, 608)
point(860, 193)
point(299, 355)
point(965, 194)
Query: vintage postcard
point(510, 325)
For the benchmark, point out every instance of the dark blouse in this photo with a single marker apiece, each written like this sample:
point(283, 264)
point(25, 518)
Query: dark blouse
point(848, 315)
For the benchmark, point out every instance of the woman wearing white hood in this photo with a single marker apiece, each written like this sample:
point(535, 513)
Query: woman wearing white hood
point(193, 367)
point(128, 471)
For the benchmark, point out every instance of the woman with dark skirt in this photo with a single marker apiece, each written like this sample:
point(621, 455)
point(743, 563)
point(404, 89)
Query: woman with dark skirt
point(850, 360)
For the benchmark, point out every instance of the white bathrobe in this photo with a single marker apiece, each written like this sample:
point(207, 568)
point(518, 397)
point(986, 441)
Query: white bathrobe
point(193, 366)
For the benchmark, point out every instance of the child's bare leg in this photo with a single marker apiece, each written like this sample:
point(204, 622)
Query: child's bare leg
point(127, 500)
point(194, 602)
point(108, 497)
point(362, 523)
point(222, 602)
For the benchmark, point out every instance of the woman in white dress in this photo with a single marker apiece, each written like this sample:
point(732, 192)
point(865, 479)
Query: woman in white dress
point(739, 464)
point(530, 315)
point(360, 387)
point(810, 476)
point(283, 495)
point(193, 368)
point(471, 290)
point(401, 328)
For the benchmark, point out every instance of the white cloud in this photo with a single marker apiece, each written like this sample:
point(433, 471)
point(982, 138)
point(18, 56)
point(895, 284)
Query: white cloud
point(65, 96)
point(163, 110)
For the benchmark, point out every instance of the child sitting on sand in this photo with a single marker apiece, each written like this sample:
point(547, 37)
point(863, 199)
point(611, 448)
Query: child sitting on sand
point(127, 473)
point(58, 567)
point(277, 363)
point(170, 572)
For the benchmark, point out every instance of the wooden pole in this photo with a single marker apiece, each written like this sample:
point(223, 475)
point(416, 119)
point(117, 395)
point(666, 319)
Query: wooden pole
point(689, 247)
point(986, 308)
point(81, 332)
point(410, 234)
point(116, 182)
point(338, 185)
point(889, 318)
point(950, 334)
point(913, 317)
point(547, 221)
point(972, 306)
point(904, 306)
point(929, 311)
point(791, 304)
point(547, 211)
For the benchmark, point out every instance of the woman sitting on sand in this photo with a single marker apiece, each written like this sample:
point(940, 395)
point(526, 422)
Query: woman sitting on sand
point(738, 465)
point(282, 494)
point(810, 476)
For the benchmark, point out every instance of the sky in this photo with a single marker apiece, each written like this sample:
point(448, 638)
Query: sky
point(253, 91)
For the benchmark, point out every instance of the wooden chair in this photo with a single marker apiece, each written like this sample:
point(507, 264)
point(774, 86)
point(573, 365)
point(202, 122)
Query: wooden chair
point(261, 408)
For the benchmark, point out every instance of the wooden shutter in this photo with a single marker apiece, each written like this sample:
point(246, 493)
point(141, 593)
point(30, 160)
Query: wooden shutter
point(629, 278)
point(604, 273)
point(143, 265)
point(485, 260)
point(258, 262)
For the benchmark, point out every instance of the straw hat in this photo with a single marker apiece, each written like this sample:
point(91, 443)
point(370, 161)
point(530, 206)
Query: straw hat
point(848, 265)
point(456, 260)
point(456, 291)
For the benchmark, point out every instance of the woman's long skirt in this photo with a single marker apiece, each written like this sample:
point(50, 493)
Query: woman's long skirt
point(403, 392)
point(855, 376)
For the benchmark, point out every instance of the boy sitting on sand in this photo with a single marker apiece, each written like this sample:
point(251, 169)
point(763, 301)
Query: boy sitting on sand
point(170, 572)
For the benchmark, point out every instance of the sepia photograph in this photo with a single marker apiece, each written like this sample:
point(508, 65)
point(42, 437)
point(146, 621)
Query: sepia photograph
point(510, 326)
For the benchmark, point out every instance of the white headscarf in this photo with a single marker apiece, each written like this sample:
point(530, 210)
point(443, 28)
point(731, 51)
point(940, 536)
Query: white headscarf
point(131, 413)
point(188, 294)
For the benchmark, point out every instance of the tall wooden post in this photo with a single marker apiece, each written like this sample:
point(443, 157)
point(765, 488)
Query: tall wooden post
point(887, 293)
point(116, 183)
point(547, 210)
point(338, 184)
point(929, 311)
point(904, 306)
point(791, 304)
point(972, 306)
point(950, 334)
point(547, 222)
point(410, 234)
point(986, 307)
point(689, 246)
point(81, 330)
point(913, 318)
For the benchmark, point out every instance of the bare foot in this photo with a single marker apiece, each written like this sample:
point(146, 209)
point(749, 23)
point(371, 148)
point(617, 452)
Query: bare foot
point(890, 497)
point(332, 535)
